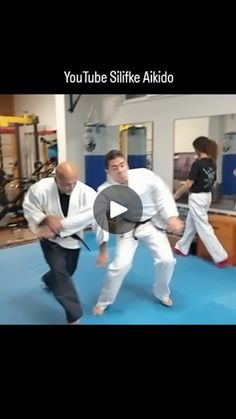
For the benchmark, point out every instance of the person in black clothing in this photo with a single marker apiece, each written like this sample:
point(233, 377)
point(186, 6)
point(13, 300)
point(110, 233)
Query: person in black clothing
point(57, 210)
point(200, 182)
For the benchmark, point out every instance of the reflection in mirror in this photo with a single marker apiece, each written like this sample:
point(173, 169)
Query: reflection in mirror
point(135, 140)
point(221, 129)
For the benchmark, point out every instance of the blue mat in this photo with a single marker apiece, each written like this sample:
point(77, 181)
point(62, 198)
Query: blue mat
point(202, 293)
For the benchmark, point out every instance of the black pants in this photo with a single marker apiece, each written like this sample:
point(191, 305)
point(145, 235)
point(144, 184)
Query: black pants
point(63, 263)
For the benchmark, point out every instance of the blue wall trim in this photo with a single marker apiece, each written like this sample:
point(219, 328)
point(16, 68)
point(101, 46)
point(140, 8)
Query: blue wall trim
point(136, 161)
point(95, 173)
point(228, 177)
point(95, 168)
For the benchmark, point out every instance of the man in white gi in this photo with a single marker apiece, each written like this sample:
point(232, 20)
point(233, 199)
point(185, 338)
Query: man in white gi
point(55, 209)
point(159, 214)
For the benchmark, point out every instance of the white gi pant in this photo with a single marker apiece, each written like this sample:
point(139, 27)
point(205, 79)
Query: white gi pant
point(197, 222)
point(126, 246)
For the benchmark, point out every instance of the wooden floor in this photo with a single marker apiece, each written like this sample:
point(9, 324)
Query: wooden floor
point(14, 236)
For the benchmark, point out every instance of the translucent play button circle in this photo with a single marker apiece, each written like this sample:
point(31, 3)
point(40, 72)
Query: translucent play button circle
point(117, 209)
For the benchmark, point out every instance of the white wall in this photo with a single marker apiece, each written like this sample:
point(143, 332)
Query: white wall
point(106, 139)
point(148, 126)
point(41, 105)
point(108, 104)
point(230, 123)
point(214, 127)
point(216, 133)
point(163, 113)
point(61, 127)
point(75, 129)
point(71, 139)
point(186, 130)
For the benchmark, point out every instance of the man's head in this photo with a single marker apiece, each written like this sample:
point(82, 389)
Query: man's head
point(116, 166)
point(66, 177)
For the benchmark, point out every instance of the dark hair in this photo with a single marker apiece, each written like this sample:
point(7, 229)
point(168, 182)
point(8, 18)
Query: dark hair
point(205, 145)
point(113, 154)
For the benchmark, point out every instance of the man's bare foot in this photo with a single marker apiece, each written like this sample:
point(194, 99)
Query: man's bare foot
point(98, 310)
point(167, 302)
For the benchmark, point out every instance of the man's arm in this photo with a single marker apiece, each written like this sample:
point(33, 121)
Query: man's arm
point(102, 237)
point(38, 221)
point(33, 211)
point(166, 205)
point(103, 257)
point(175, 225)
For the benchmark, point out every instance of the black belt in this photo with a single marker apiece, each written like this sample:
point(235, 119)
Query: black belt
point(139, 223)
point(75, 236)
point(144, 222)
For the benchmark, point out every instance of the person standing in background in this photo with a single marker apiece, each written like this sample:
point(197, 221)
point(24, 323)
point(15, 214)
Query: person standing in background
point(200, 182)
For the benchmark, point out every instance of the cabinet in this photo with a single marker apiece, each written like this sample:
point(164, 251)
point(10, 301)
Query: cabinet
point(225, 229)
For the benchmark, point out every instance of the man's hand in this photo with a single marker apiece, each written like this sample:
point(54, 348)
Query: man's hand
point(175, 225)
point(53, 222)
point(102, 258)
point(45, 232)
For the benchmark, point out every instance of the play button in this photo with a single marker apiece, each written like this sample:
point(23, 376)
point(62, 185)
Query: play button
point(117, 209)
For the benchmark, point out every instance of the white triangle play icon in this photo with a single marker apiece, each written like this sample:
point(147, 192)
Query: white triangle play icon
point(116, 209)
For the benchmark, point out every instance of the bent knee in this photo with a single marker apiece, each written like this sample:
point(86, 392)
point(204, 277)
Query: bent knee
point(166, 261)
point(119, 267)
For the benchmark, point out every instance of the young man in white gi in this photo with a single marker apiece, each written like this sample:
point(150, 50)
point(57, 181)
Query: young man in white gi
point(159, 209)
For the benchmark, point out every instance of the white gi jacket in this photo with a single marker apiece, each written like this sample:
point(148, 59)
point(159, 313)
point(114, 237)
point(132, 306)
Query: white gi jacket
point(157, 200)
point(42, 199)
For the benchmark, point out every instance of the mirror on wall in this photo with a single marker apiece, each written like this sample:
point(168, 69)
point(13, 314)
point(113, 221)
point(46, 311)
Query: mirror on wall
point(135, 140)
point(222, 129)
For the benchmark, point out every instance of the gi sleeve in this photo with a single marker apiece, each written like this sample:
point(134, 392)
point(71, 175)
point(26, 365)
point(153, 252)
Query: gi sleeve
point(32, 208)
